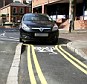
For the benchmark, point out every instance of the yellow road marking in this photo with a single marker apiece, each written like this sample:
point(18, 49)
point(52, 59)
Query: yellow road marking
point(65, 56)
point(38, 69)
point(31, 73)
point(81, 63)
point(25, 44)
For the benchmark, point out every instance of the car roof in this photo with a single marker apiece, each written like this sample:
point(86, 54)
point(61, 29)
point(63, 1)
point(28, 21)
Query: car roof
point(35, 14)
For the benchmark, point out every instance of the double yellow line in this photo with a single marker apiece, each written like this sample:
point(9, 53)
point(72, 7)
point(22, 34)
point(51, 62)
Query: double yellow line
point(37, 66)
point(77, 63)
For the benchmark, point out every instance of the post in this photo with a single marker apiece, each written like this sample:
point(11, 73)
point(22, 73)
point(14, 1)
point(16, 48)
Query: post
point(43, 8)
point(70, 17)
point(72, 11)
point(3, 3)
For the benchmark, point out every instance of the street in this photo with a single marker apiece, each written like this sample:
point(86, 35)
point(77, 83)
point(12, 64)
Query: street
point(41, 63)
point(48, 67)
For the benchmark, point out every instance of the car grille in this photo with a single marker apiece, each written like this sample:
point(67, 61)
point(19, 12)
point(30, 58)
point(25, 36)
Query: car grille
point(41, 29)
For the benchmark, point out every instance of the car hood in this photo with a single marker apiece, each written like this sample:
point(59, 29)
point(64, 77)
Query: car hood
point(39, 23)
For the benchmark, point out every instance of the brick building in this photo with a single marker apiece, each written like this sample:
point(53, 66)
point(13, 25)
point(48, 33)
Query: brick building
point(5, 2)
point(55, 8)
point(13, 12)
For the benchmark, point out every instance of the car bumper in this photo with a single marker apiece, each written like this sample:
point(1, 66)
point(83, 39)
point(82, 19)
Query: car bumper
point(43, 36)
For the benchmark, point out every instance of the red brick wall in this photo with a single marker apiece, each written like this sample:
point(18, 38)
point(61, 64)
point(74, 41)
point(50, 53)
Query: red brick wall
point(81, 24)
point(78, 24)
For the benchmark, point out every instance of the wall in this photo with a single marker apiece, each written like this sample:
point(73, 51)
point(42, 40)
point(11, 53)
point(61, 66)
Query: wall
point(40, 2)
point(78, 24)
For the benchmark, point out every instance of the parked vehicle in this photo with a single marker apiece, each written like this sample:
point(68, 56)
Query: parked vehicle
point(38, 27)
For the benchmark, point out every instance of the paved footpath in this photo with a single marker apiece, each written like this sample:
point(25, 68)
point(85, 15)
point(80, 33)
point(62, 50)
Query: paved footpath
point(78, 40)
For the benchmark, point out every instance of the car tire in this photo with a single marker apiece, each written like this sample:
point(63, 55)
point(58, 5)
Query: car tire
point(21, 40)
point(55, 41)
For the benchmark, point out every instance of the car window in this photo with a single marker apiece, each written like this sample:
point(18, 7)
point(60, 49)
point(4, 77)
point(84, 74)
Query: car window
point(26, 18)
point(36, 18)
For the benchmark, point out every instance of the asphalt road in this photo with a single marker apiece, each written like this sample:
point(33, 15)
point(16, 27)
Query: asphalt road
point(7, 50)
point(41, 63)
point(11, 35)
point(45, 65)
point(8, 41)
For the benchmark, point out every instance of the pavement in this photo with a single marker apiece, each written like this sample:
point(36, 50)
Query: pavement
point(77, 41)
point(13, 72)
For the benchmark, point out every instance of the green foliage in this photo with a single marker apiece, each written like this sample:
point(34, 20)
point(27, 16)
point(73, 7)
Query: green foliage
point(2, 15)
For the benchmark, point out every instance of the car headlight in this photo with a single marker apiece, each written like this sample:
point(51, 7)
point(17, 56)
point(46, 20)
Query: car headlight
point(55, 27)
point(25, 27)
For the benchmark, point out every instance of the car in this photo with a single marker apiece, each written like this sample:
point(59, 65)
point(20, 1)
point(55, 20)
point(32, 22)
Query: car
point(39, 28)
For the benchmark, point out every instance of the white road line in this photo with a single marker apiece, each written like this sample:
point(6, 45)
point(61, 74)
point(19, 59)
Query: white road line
point(16, 39)
point(3, 34)
point(49, 49)
point(12, 37)
point(13, 73)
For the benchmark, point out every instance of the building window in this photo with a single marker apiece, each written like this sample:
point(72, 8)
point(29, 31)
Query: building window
point(14, 19)
point(21, 10)
point(20, 18)
point(14, 10)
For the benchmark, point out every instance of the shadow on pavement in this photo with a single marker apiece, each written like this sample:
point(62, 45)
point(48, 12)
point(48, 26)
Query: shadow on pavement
point(23, 48)
point(63, 41)
point(60, 41)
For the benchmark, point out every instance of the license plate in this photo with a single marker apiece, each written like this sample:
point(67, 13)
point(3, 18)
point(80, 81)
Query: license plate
point(41, 34)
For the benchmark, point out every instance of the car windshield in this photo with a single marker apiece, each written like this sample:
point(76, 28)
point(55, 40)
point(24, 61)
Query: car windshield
point(36, 18)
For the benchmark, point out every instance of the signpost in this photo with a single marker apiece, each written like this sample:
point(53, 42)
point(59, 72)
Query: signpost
point(72, 11)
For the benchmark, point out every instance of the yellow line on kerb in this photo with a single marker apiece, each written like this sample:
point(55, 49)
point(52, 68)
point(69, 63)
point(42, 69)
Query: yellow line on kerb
point(31, 73)
point(75, 59)
point(71, 61)
point(37, 66)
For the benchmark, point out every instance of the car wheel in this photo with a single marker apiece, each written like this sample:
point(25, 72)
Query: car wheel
point(55, 41)
point(20, 39)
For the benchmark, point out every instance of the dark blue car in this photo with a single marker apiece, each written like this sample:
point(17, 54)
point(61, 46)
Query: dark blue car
point(38, 27)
